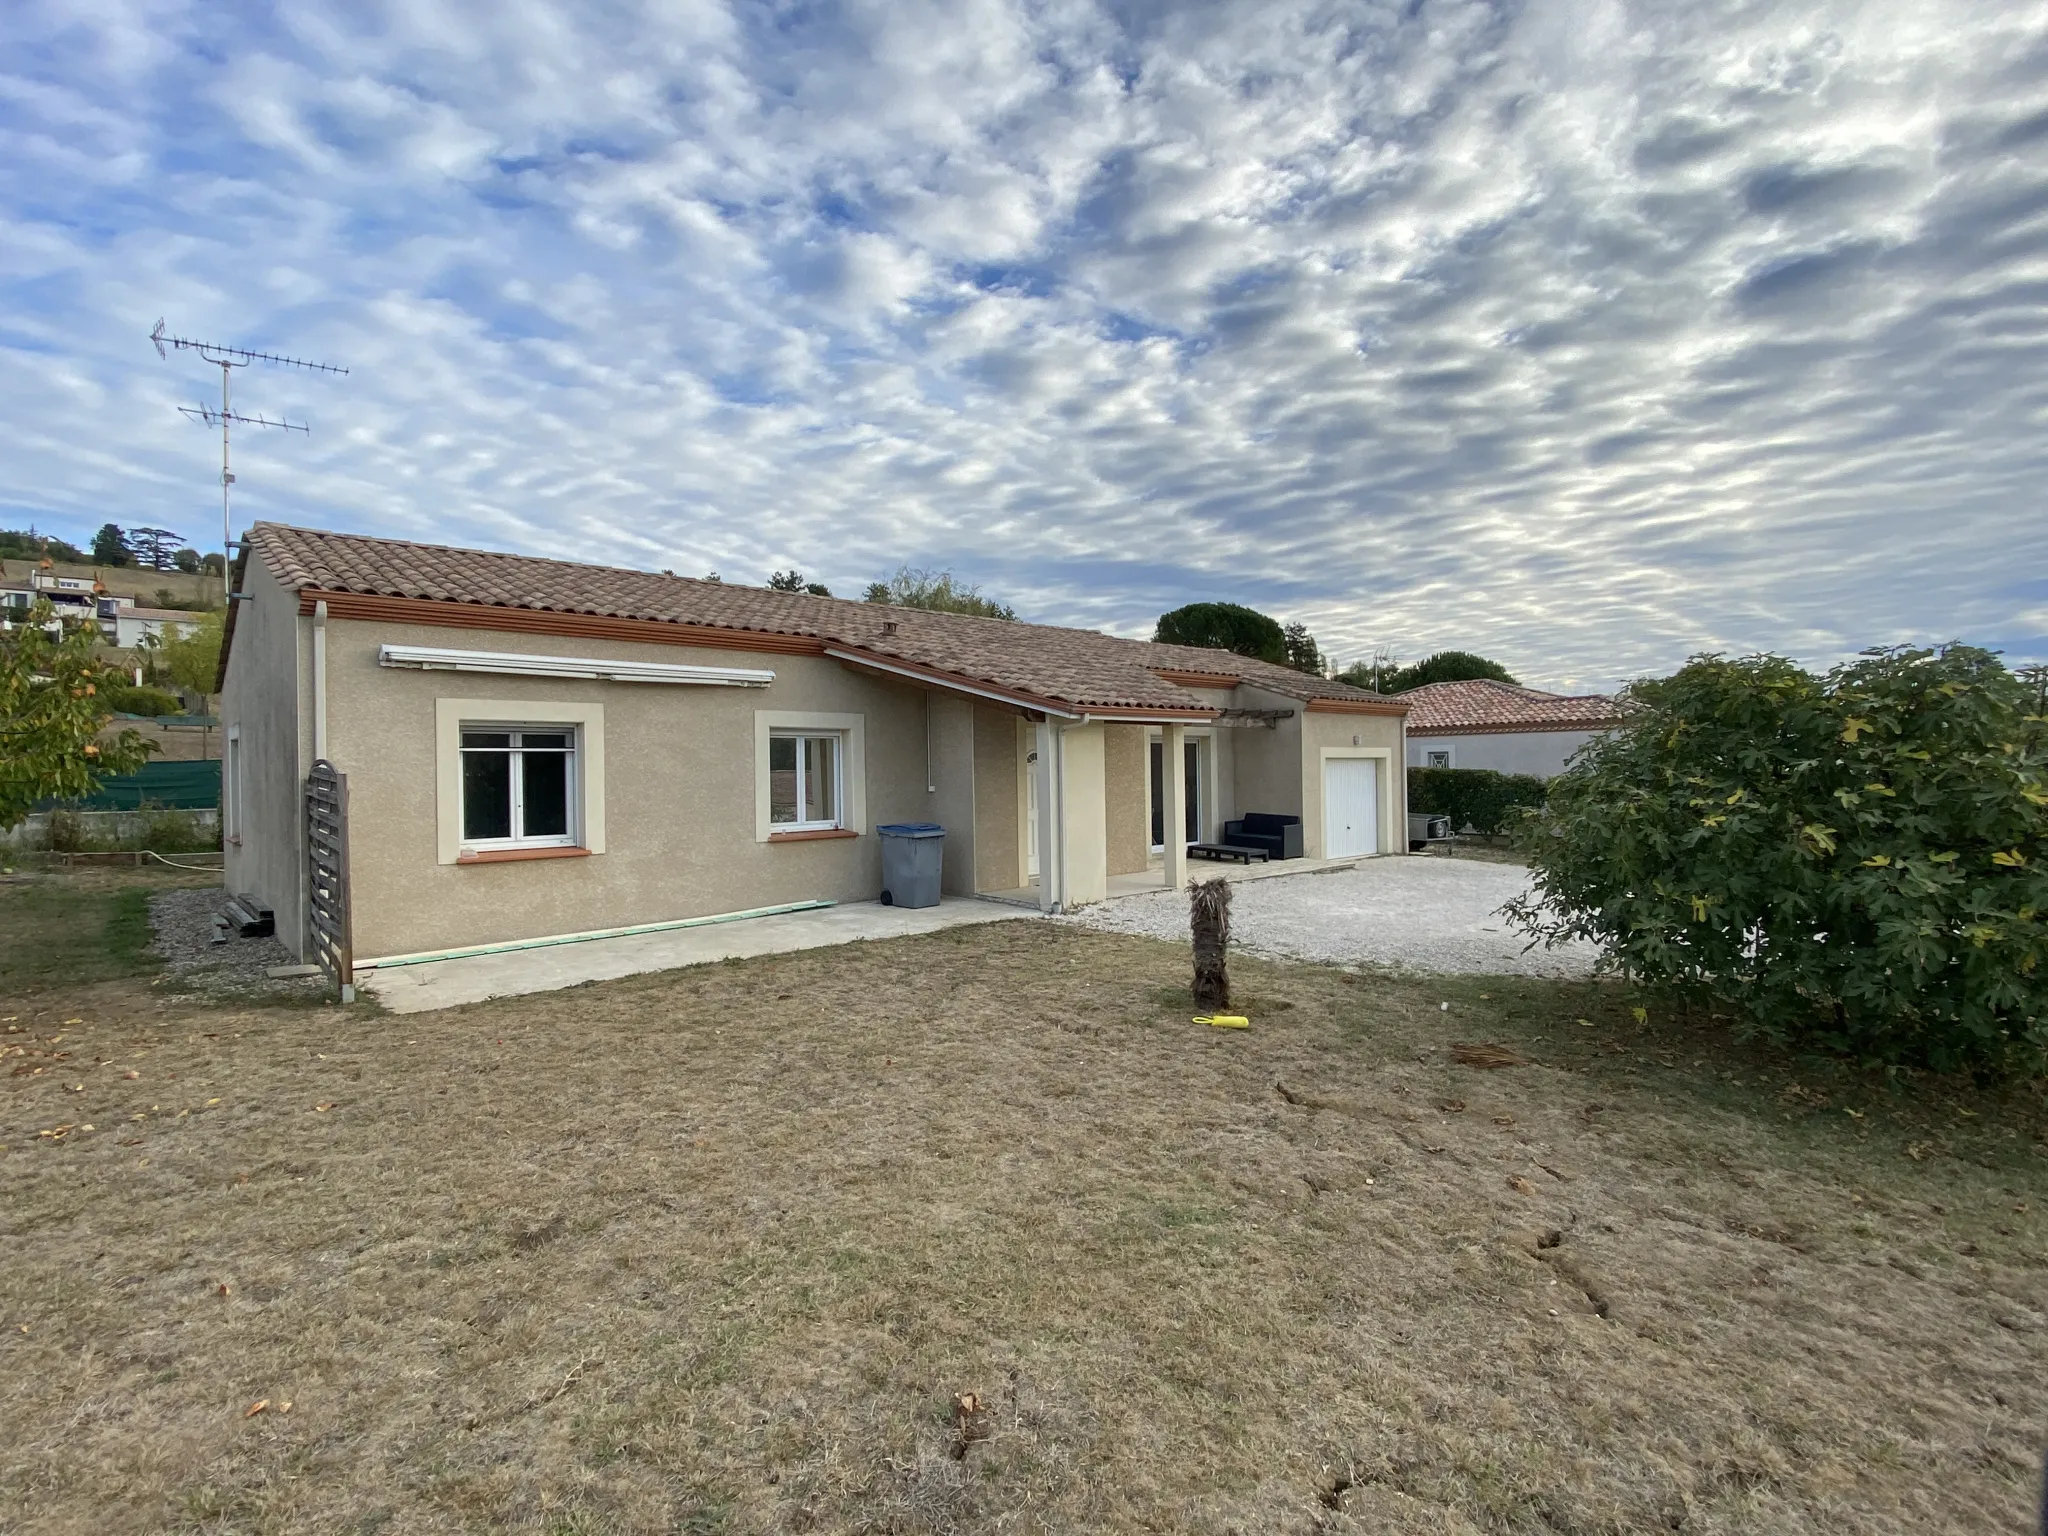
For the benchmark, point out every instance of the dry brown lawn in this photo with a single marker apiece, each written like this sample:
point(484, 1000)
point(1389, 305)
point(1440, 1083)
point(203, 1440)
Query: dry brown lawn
point(714, 1251)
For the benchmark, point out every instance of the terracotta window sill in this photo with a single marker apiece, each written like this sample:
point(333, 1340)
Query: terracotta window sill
point(514, 855)
point(811, 837)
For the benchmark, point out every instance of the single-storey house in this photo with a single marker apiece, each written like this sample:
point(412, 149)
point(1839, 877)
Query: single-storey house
point(536, 747)
point(1486, 724)
point(127, 624)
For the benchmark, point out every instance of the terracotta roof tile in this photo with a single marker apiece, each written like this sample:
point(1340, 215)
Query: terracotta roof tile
point(1081, 667)
point(1482, 703)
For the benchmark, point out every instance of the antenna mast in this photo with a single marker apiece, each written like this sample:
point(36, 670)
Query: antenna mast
point(227, 359)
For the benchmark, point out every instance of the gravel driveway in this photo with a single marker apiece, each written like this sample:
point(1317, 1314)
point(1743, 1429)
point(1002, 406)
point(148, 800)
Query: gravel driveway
point(1419, 914)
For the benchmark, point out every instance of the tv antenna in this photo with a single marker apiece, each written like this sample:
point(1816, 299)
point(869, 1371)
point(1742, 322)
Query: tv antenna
point(228, 359)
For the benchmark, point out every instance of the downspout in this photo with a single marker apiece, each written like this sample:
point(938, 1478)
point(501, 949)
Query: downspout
point(319, 680)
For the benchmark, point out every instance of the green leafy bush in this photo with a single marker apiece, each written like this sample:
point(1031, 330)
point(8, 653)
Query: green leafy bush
point(1857, 861)
point(140, 701)
point(1476, 799)
point(175, 832)
point(66, 833)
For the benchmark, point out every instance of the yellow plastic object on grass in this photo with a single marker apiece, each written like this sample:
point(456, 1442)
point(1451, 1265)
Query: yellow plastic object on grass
point(1224, 1020)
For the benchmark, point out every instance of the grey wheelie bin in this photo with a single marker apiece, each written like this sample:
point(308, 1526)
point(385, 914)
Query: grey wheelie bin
point(912, 852)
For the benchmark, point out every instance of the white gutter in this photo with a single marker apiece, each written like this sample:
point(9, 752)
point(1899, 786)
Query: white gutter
point(929, 681)
point(1189, 720)
point(441, 659)
point(319, 681)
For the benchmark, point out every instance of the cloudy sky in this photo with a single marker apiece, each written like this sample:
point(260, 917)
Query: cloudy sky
point(1585, 335)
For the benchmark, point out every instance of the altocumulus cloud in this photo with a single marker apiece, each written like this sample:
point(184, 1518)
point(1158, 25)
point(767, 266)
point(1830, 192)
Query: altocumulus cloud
point(1585, 335)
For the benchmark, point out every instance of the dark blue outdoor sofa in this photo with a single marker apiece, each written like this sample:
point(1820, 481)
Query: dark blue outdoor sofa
point(1278, 836)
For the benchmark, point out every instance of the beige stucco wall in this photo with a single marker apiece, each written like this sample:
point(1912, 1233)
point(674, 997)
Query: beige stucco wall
point(952, 800)
point(1083, 814)
point(1266, 763)
point(679, 791)
point(1127, 793)
point(1354, 735)
point(998, 810)
point(262, 700)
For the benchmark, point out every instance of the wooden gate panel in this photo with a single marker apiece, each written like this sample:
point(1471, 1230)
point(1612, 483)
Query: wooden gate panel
point(328, 932)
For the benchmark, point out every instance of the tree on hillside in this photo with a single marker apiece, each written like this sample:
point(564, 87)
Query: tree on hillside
point(154, 549)
point(1445, 667)
point(186, 560)
point(1224, 627)
point(937, 592)
point(1303, 654)
point(52, 709)
point(793, 581)
point(27, 544)
point(110, 546)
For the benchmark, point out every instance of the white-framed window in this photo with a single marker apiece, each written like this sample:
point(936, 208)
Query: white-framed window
point(455, 717)
point(1439, 759)
point(518, 785)
point(806, 772)
point(810, 774)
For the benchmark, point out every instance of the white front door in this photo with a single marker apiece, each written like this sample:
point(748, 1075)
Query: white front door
point(1351, 806)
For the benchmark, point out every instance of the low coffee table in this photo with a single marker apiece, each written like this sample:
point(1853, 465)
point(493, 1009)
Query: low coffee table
point(1227, 851)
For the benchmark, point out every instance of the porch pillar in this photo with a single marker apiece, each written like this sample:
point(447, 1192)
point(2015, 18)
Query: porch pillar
point(1173, 786)
point(1051, 837)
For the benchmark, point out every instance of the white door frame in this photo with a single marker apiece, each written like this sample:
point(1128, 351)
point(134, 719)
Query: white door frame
point(1384, 756)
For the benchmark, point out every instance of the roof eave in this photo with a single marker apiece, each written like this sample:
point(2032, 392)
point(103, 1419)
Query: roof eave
point(1512, 727)
point(1330, 706)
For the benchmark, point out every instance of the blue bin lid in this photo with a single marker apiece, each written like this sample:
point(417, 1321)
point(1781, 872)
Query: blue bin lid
point(911, 829)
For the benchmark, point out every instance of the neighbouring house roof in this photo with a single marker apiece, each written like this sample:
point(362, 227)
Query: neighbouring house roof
point(1034, 665)
point(171, 615)
point(1482, 706)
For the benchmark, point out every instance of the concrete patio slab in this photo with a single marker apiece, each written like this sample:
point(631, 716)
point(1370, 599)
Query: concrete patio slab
point(421, 986)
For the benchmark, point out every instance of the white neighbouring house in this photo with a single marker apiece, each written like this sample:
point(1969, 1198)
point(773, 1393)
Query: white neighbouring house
point(84, 600)
point(1510, 729)
point(127, 625)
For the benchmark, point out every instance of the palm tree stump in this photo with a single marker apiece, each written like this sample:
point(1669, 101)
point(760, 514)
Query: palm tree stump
point(1209, 919)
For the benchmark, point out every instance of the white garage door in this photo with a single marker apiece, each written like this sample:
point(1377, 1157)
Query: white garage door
point(1351, 806)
